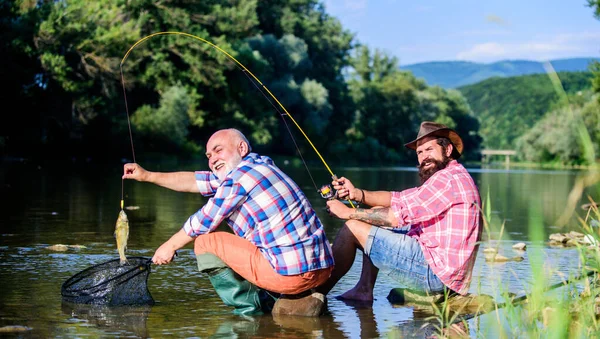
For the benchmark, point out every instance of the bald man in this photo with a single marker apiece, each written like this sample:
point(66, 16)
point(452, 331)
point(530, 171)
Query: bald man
point(277, 248)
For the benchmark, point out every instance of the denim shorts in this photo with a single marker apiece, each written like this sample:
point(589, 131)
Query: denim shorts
point(399, 256)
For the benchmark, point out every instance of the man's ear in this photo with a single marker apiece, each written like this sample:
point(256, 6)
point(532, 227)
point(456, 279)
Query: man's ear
point(243, 148)
point(449, 149)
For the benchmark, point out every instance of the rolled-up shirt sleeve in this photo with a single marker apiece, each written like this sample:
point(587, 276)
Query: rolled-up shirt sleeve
point(227, 198)
point(207, 182)
point(423, 203)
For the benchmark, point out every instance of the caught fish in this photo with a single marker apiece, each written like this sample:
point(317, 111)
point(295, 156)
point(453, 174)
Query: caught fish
point(122, 234)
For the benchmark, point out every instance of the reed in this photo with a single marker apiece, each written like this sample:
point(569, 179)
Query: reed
point(569, 309)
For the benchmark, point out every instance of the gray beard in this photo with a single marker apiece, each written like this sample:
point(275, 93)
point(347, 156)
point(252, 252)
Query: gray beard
point(229, 166)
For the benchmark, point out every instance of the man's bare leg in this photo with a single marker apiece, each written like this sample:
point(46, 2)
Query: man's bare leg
point(351, 237)
point(363, 291)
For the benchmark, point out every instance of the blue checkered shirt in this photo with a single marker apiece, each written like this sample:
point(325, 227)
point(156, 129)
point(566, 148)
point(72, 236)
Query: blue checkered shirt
point(266, 207)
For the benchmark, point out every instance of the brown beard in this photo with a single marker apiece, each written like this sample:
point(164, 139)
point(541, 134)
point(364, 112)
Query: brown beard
point(425, 174)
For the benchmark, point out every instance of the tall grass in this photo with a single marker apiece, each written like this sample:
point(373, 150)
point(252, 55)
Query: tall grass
point(564, 310)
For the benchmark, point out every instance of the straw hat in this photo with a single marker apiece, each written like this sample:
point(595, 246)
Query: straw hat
point(432, 129)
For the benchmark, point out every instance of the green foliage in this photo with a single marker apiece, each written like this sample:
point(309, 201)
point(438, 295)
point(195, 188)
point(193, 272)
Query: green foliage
point(79, 44)
point(319, 109)
point(169, 122)
point(595, 5)
point(551, 139)
point(508, 107)
point(391, 104)
point(595, 68)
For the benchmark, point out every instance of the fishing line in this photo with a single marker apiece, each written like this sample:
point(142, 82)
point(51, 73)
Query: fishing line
point(253, 79)
point(282, 115)
point(130, 135)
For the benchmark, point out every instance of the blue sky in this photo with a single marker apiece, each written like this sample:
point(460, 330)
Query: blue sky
point(472, 30)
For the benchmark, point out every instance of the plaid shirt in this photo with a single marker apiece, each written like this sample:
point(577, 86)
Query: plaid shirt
point(444, 214)
point(264, 206)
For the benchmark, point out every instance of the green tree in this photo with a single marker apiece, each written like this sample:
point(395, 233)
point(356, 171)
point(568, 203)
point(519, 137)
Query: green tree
point(508, 107)
point(595, 66)
point(391, 104)
point(555, 137)
point(166, 126)
point(80, 45)
point(385, 99)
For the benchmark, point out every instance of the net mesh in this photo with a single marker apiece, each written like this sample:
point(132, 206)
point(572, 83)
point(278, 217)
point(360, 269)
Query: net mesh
point(109, 283)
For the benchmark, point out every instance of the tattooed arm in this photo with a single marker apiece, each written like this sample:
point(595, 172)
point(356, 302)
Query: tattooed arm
point(375, 216)
point(382, 217)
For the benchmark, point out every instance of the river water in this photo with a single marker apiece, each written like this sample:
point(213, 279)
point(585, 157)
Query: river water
point(79, 205)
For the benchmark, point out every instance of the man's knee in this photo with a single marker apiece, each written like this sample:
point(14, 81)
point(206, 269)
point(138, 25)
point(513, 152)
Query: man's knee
point(355, 231)
point(355, 225)
point(206, 243)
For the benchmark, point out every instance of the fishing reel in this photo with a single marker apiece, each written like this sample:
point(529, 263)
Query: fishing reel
point(327, 192)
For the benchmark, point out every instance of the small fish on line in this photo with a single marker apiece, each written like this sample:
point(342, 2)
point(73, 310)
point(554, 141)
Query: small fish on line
point(121, 235)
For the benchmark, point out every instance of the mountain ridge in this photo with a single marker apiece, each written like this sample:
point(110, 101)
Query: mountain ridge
point(456, 73)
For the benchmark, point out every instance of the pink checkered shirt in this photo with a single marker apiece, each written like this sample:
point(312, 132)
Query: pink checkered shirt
point(444, 214)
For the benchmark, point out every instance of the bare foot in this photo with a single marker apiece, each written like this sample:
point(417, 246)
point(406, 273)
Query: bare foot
point(357, 294)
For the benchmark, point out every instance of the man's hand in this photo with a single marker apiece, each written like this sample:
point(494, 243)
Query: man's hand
point(344, 187)
point(134, 171)
point(164, 254)
point(338, 209)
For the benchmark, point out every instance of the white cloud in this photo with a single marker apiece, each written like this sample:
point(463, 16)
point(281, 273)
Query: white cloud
point(543, 48)
point(486, 50)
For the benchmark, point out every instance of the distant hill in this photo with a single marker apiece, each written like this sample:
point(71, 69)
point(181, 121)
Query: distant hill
point(508, 107)
point(452, 74)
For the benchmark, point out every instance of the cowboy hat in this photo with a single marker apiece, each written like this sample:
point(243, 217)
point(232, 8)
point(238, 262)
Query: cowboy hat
point(432, 129)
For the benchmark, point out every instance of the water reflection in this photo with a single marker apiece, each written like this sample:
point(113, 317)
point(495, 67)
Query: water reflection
point(125, 320)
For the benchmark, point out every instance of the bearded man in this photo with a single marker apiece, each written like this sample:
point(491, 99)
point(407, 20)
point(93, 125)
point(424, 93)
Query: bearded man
point(277, 248)
point(424, 237)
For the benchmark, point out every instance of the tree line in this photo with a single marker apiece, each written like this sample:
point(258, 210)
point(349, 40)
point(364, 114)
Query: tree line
point(72, 94)
point(515, 113)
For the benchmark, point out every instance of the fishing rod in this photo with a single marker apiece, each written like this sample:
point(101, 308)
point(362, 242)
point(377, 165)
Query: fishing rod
point(325, 190)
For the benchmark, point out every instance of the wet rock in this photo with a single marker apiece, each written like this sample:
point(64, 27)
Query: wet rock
point(58, 247)
point(521, 246)
point(14, 329)
point(571, 239)
point(500, 258)
point(63, 248)
point(575, 235)
point(558, 237)
point(488, 250)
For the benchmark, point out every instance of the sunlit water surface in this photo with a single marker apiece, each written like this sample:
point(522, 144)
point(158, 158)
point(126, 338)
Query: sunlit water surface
point(79, 206)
